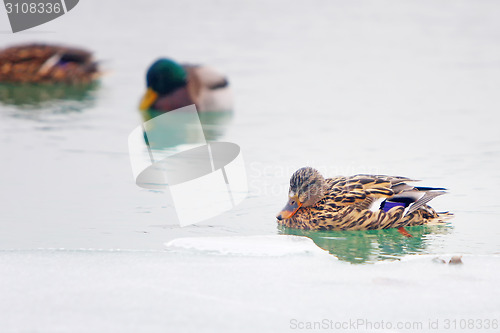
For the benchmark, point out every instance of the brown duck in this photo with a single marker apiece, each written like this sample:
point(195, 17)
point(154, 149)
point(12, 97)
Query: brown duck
point(43, 63)
point(360, 202)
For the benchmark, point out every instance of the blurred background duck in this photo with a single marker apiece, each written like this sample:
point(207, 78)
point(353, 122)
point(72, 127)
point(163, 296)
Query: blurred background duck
point(44, 63)
point(171, 86)
point(361, 202)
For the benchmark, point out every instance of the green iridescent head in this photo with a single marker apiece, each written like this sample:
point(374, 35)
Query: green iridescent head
point(165, 76)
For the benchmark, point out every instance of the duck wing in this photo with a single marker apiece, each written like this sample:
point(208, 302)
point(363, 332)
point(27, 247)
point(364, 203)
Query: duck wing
point(380, 192)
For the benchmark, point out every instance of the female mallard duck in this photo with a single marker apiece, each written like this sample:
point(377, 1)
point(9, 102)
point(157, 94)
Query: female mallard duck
point(359, 202)
point(171, 86)
point(42, 63)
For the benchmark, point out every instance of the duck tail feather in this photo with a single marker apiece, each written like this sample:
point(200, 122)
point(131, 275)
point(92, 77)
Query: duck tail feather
point(428, 196)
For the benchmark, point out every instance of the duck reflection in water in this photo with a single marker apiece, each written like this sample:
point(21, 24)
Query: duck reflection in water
point(171, 86)
point(59, 98)
point(370, 246)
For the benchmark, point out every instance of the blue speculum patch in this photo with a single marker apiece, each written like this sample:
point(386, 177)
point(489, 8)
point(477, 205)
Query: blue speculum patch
point(387, 205)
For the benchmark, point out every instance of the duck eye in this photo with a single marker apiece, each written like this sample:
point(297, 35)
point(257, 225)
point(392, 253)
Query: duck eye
point(292, 202)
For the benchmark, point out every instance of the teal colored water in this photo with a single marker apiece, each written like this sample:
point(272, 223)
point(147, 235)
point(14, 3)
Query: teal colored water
point(375, 245)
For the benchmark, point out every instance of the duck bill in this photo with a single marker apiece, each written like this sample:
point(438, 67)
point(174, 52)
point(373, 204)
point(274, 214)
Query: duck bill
point(290, 209)
point(148, 99)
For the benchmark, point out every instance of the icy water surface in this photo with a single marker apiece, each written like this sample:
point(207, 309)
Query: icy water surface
point(389, 87)
point(404, 89)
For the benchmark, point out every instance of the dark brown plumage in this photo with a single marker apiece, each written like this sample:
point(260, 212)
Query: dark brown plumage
point(357, 202)
point(42, 63)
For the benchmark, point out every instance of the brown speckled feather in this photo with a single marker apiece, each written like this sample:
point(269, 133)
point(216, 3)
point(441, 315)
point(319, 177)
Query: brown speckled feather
point(42, 63)
point(347, 203)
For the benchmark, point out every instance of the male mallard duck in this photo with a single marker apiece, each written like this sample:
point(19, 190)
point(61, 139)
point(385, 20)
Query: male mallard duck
point(171, 86)
point(42, 63)
point(359, 202)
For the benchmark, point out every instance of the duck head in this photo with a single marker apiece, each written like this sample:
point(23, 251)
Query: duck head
point(163, 77)
point(307, 187)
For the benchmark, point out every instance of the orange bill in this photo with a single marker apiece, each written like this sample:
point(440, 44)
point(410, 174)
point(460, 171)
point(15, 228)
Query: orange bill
point(291, 208)
point(148, 99)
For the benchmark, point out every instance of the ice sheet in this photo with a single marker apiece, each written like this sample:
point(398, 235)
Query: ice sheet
point(138, 291)
point(247, 245)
